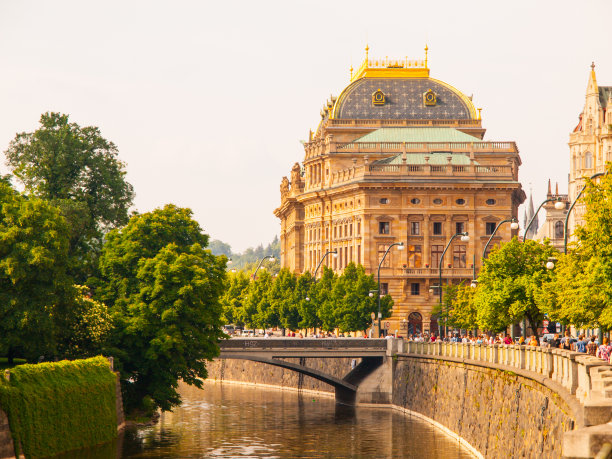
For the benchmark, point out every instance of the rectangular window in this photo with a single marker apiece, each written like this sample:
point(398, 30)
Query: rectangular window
point(351, 229)
point(490, 227)
point(346, 231)
point(346, 261)
point(358, 228)
point(415, 288)
point(459, 256)
point(415, 228)
point(383, 228)
point(384, 288)
point(358, 254)
point(340, 258)
point(326, 233)
point(335, 232)
point(414, 256)
point(436, 254)
point(351, 254)
point(459, 227)
point(382, 248)
point(340, 230)
point(437, 228)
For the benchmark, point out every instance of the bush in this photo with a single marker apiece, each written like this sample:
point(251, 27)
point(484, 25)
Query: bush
point(60, 406)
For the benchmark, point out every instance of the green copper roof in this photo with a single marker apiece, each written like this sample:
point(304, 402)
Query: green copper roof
point(457, 159)
point(417, 135)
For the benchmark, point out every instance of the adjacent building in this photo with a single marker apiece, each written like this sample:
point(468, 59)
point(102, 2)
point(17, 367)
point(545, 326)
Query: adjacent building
point(399, 156)
point(590, 143)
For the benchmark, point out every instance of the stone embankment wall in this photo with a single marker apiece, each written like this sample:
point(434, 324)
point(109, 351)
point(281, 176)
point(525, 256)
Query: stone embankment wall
point(499, 413)
point(246, 371)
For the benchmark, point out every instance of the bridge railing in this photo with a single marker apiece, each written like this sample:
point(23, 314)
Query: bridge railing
point(582, 375)
point(303, 343)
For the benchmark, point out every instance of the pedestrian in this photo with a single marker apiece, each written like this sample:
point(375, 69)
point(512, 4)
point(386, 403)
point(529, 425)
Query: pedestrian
point(592, 347)
point(521, 341)
point(566, 342)
point(507, 339)
point(604, 350)
point(581, 344)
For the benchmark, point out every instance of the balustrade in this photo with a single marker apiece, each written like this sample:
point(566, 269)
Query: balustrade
point(580, 374)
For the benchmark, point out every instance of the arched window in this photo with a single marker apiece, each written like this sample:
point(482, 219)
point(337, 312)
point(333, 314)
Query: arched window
point(415, 323)
point(559, 229)
point(588, 160)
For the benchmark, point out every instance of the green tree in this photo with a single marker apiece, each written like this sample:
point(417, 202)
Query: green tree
point(33, 273)
point(283, 299)
point(163, 290)
point(510, 282)
point(458, 306)
point(235, 292)
point(581, 292)
point(354, 306)
point(317, 312)
point(77, 170)
point(83, 326)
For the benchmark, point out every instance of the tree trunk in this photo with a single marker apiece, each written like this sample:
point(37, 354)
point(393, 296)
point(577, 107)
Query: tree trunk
point(10, 357)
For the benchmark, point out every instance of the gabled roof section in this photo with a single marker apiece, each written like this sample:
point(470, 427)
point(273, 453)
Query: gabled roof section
point(417, 135)
point(439, 158)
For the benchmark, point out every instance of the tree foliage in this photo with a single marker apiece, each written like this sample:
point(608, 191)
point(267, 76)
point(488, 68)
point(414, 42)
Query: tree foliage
point(581, 293)
point(296, 301)
point(77, 170)
point(163, 291)
point(33, 273)
point(510, 283)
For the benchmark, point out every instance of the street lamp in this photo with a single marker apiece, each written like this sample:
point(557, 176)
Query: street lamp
point(272, 259)
point(400, 246)
point(599, 174)
point(559, 205)
point(514, 225)
point(335, 252)
point(465, 237)
point(550, 263)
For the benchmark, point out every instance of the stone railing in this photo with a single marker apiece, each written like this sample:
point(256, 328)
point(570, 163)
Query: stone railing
point(426, 147)
point(407, 122)
point(398, 171)
point(587, 380)
point(580, 374)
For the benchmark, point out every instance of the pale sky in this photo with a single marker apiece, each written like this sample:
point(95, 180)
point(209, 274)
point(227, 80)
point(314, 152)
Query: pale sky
point(208, 101)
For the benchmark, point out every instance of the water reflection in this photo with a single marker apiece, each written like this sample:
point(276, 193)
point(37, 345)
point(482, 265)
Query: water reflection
point(228, 421)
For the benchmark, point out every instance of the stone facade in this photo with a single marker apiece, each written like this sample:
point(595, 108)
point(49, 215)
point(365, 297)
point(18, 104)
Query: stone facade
point(590, 143)
point(499, 413)
point(403, 162)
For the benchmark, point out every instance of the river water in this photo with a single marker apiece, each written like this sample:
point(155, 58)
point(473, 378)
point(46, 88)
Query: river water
point(231, 421)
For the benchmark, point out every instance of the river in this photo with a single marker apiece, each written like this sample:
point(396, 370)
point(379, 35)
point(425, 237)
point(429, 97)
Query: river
point(231, 421)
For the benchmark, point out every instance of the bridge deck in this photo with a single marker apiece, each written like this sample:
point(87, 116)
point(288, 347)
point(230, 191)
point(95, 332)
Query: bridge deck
point(303, 347)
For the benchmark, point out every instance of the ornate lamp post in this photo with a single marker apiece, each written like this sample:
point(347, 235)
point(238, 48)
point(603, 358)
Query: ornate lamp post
point(272, 259)
point(558, 205)
point(513, 225)
point(334, 252)
point(464, 238)
point(599, 174)
point(400, 246)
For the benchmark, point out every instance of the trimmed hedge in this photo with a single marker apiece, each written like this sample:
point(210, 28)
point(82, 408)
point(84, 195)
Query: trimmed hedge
point(60, 406)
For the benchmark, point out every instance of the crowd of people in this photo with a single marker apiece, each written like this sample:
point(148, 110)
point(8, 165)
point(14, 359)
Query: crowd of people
point(584, 344)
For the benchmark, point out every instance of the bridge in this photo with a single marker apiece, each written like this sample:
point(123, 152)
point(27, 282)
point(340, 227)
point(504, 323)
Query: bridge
point(273, 351)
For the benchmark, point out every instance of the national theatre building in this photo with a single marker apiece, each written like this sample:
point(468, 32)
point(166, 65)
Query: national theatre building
point(399, 157)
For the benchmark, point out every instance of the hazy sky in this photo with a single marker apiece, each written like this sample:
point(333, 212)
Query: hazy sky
point(207, 101)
